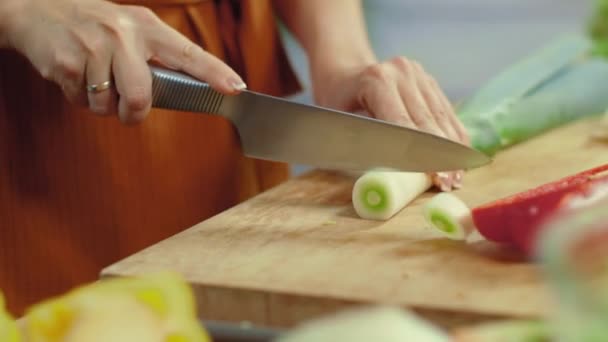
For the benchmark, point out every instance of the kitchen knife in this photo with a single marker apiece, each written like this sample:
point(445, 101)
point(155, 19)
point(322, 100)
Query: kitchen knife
point(277, 129)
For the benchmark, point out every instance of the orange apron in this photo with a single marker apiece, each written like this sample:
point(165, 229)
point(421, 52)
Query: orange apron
point(79, 192)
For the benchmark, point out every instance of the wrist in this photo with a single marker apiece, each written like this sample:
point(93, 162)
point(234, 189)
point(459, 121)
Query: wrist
point(330, 65)
point(331, 58)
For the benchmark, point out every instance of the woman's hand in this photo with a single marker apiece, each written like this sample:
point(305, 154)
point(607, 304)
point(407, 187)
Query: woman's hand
point(398, 91)
point(77, 43)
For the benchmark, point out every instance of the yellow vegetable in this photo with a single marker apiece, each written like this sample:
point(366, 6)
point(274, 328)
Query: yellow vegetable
point(8, 327)
point(152, 308)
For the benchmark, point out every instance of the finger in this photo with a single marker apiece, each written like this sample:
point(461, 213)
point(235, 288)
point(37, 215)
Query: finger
point(442, 116)
point(455, 122)
point(443, 180)
point(434, 104)
point(133, 82)
point(174, 50)
point(424, 120)
point(382, 101)
point(98, 72)
point(380, 97)
point(458, 176)
point(68, 73)
point(417, 106)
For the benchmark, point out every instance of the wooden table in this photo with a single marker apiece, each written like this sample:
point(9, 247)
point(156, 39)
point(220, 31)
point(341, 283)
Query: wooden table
point(299, 250)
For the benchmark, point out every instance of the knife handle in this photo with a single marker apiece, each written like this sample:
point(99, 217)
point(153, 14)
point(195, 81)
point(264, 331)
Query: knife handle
point(176, 91)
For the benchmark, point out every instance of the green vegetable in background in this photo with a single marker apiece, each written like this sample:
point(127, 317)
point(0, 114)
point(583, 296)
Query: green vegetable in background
point(579, 91)
point(563, 82)
point(559, 84)
point(524, 76)
point(598, 29)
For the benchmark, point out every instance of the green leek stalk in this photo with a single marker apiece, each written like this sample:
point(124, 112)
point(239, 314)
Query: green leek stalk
point(524, 76)
point(579, 91)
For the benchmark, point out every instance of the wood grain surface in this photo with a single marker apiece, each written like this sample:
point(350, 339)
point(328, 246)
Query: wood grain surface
point(299, 250)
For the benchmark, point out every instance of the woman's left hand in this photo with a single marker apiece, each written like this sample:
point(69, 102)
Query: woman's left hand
point(398, 91)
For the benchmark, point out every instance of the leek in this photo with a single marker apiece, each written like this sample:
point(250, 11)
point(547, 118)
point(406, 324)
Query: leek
point(578, 92)
point(380, 194)
point(449, 215)
point(521, 78)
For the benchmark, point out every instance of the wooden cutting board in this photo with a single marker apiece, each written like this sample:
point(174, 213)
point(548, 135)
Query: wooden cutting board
point(300, 250)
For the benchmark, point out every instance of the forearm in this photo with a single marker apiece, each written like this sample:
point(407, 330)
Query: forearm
point(332, 32)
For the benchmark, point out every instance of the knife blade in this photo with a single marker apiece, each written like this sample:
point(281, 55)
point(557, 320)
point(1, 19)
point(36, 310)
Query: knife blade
point(276, 129)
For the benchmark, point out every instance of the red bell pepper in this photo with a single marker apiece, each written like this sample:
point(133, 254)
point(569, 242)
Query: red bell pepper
point(515, 220)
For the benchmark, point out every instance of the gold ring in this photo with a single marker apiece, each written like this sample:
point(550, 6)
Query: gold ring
point(96, 88)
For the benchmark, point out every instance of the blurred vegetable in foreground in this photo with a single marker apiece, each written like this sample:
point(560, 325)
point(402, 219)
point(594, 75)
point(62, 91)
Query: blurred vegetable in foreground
point(155, 308)
point(516, 220)
point(573, 247)
point(8, 327)
point(505, 331)
point(386, 324)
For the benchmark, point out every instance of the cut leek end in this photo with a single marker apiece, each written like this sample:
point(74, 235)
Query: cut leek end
point(449, 215)
point(372, 197)
point(373, 203)
point(379, 195)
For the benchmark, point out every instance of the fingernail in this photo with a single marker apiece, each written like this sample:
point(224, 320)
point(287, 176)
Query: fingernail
point(458, 180)
point(445, 181)
point(237, 84)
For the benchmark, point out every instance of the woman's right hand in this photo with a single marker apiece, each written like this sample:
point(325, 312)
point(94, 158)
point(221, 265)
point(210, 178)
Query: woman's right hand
point(76, 43)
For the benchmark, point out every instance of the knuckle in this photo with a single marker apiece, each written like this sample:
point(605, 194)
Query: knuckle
point(66, 66)
point(144, 15)
point(46, 71)
point(417, 66)
point(188, 53)
point(432, 81)
point(118, 27)
point(378, 72)
point(403, 64)
point(95, 46)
